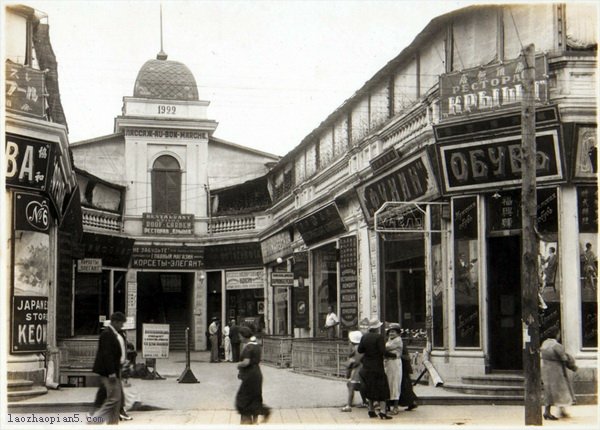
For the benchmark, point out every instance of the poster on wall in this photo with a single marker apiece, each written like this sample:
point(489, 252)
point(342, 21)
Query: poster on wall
point(30, 282)
point(589, 289)
point(549, 287)
point(466, 271)
point(438, 295)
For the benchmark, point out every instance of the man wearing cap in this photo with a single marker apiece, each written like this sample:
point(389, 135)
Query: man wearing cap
point(110, 357)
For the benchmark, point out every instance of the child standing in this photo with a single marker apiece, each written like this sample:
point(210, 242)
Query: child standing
point(352, 373)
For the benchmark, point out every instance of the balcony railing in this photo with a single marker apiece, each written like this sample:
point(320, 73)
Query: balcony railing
point(230, 224)
point(101, 220)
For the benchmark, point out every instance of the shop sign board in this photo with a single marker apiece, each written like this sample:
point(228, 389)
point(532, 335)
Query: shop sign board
point(321, 224)
point(348, 282)
point(497, 162)
point(278, 245)
point(504, 211)
point(25, 90)
point(167, 257)
point(167, 224)
point(282, 279)
point(586, 154)
point(30, 324)
point(31, 212)
point(244, 279)
point(413, 179)
point(233, 255)
point(89, 265)
point(113, 250)
point(155, 340)
point(34, 165)
point(487, 88)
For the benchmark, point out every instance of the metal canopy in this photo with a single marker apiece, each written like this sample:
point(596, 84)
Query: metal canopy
point(405, 217)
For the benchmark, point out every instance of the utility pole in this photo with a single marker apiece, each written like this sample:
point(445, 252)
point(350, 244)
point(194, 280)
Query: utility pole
point(530, 248)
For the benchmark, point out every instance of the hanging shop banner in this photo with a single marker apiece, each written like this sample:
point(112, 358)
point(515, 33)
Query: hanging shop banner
point(282, 279)
point(497, 162)
point(115, 251)
point(244, 279)
point(587, 209)
point(413, 179)
point(586, 153)
point(167, 224)
point(167, 257)
point(348, 282)
point(278, 245)
point(25, 90)
point(489, 88)
point(155, 340)
point(89, 265)
point(504, 210)
point(321, 225)
point(233, 255)
point(31, 212)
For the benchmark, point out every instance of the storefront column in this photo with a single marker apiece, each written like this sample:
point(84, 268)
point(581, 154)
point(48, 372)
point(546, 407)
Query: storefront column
point(199, 318)
point(569, 269)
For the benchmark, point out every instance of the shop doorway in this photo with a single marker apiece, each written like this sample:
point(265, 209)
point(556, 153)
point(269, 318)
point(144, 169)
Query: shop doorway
point(404, 283)
point(165, 298)
point(504, 302)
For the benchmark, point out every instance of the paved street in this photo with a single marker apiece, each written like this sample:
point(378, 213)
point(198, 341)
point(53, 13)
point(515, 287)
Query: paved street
point(295, 399)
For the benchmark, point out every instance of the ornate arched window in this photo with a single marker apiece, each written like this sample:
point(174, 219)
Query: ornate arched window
point(166, 185)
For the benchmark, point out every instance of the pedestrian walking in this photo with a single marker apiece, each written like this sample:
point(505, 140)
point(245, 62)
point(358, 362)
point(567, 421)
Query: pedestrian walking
point(234, 336)
point(555, 362)
point(377, 390)
point(110, 357)
point(249, 400)
point(393, 365)
point(353, 367)
point(227, 343)
point(408, 397)
point(213, 333)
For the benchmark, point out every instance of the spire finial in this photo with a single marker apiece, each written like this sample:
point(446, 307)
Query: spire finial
point(161, 55)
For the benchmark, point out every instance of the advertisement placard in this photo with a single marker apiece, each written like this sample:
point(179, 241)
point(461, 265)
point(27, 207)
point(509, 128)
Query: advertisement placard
point(155, 340)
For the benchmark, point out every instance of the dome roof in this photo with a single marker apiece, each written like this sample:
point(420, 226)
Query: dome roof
point(165, 79)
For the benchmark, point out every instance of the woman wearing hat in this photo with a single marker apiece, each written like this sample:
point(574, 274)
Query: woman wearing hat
point(353, 371)
point(393, 365)
point(249, 400)
point(376, 387)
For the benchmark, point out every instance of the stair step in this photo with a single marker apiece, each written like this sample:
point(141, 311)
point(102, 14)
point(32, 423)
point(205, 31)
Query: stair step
point(488, 390)
point(18, 384)
point(26, 394)
point(504, 380)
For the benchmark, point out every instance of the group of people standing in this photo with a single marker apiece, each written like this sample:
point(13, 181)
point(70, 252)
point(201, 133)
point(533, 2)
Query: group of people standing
point(229, 338)
point(379, 369)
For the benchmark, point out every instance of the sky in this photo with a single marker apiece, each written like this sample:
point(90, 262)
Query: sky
point(271, 70)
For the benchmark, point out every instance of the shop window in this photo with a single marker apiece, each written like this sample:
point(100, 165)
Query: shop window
point(404, 287)
point(325, 281)
point(587, 202)
point(466, 271)
point(166, 185)
point(92, 302)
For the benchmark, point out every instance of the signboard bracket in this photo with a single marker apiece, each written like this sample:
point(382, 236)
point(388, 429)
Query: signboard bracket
point(405, 217)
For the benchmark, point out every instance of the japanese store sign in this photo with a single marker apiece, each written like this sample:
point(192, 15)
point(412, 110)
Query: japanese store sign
point(25, 93)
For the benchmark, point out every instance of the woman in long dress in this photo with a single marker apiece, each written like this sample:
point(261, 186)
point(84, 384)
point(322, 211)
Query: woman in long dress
point(393, 365)
point(249, 400)
point(555, 361)
point(377, 390)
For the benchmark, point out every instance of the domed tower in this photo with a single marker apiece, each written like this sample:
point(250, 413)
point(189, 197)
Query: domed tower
point(166, 132)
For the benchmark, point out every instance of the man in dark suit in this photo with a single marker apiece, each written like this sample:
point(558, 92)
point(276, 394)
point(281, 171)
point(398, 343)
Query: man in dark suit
point(234, 335)
point(111, 355)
